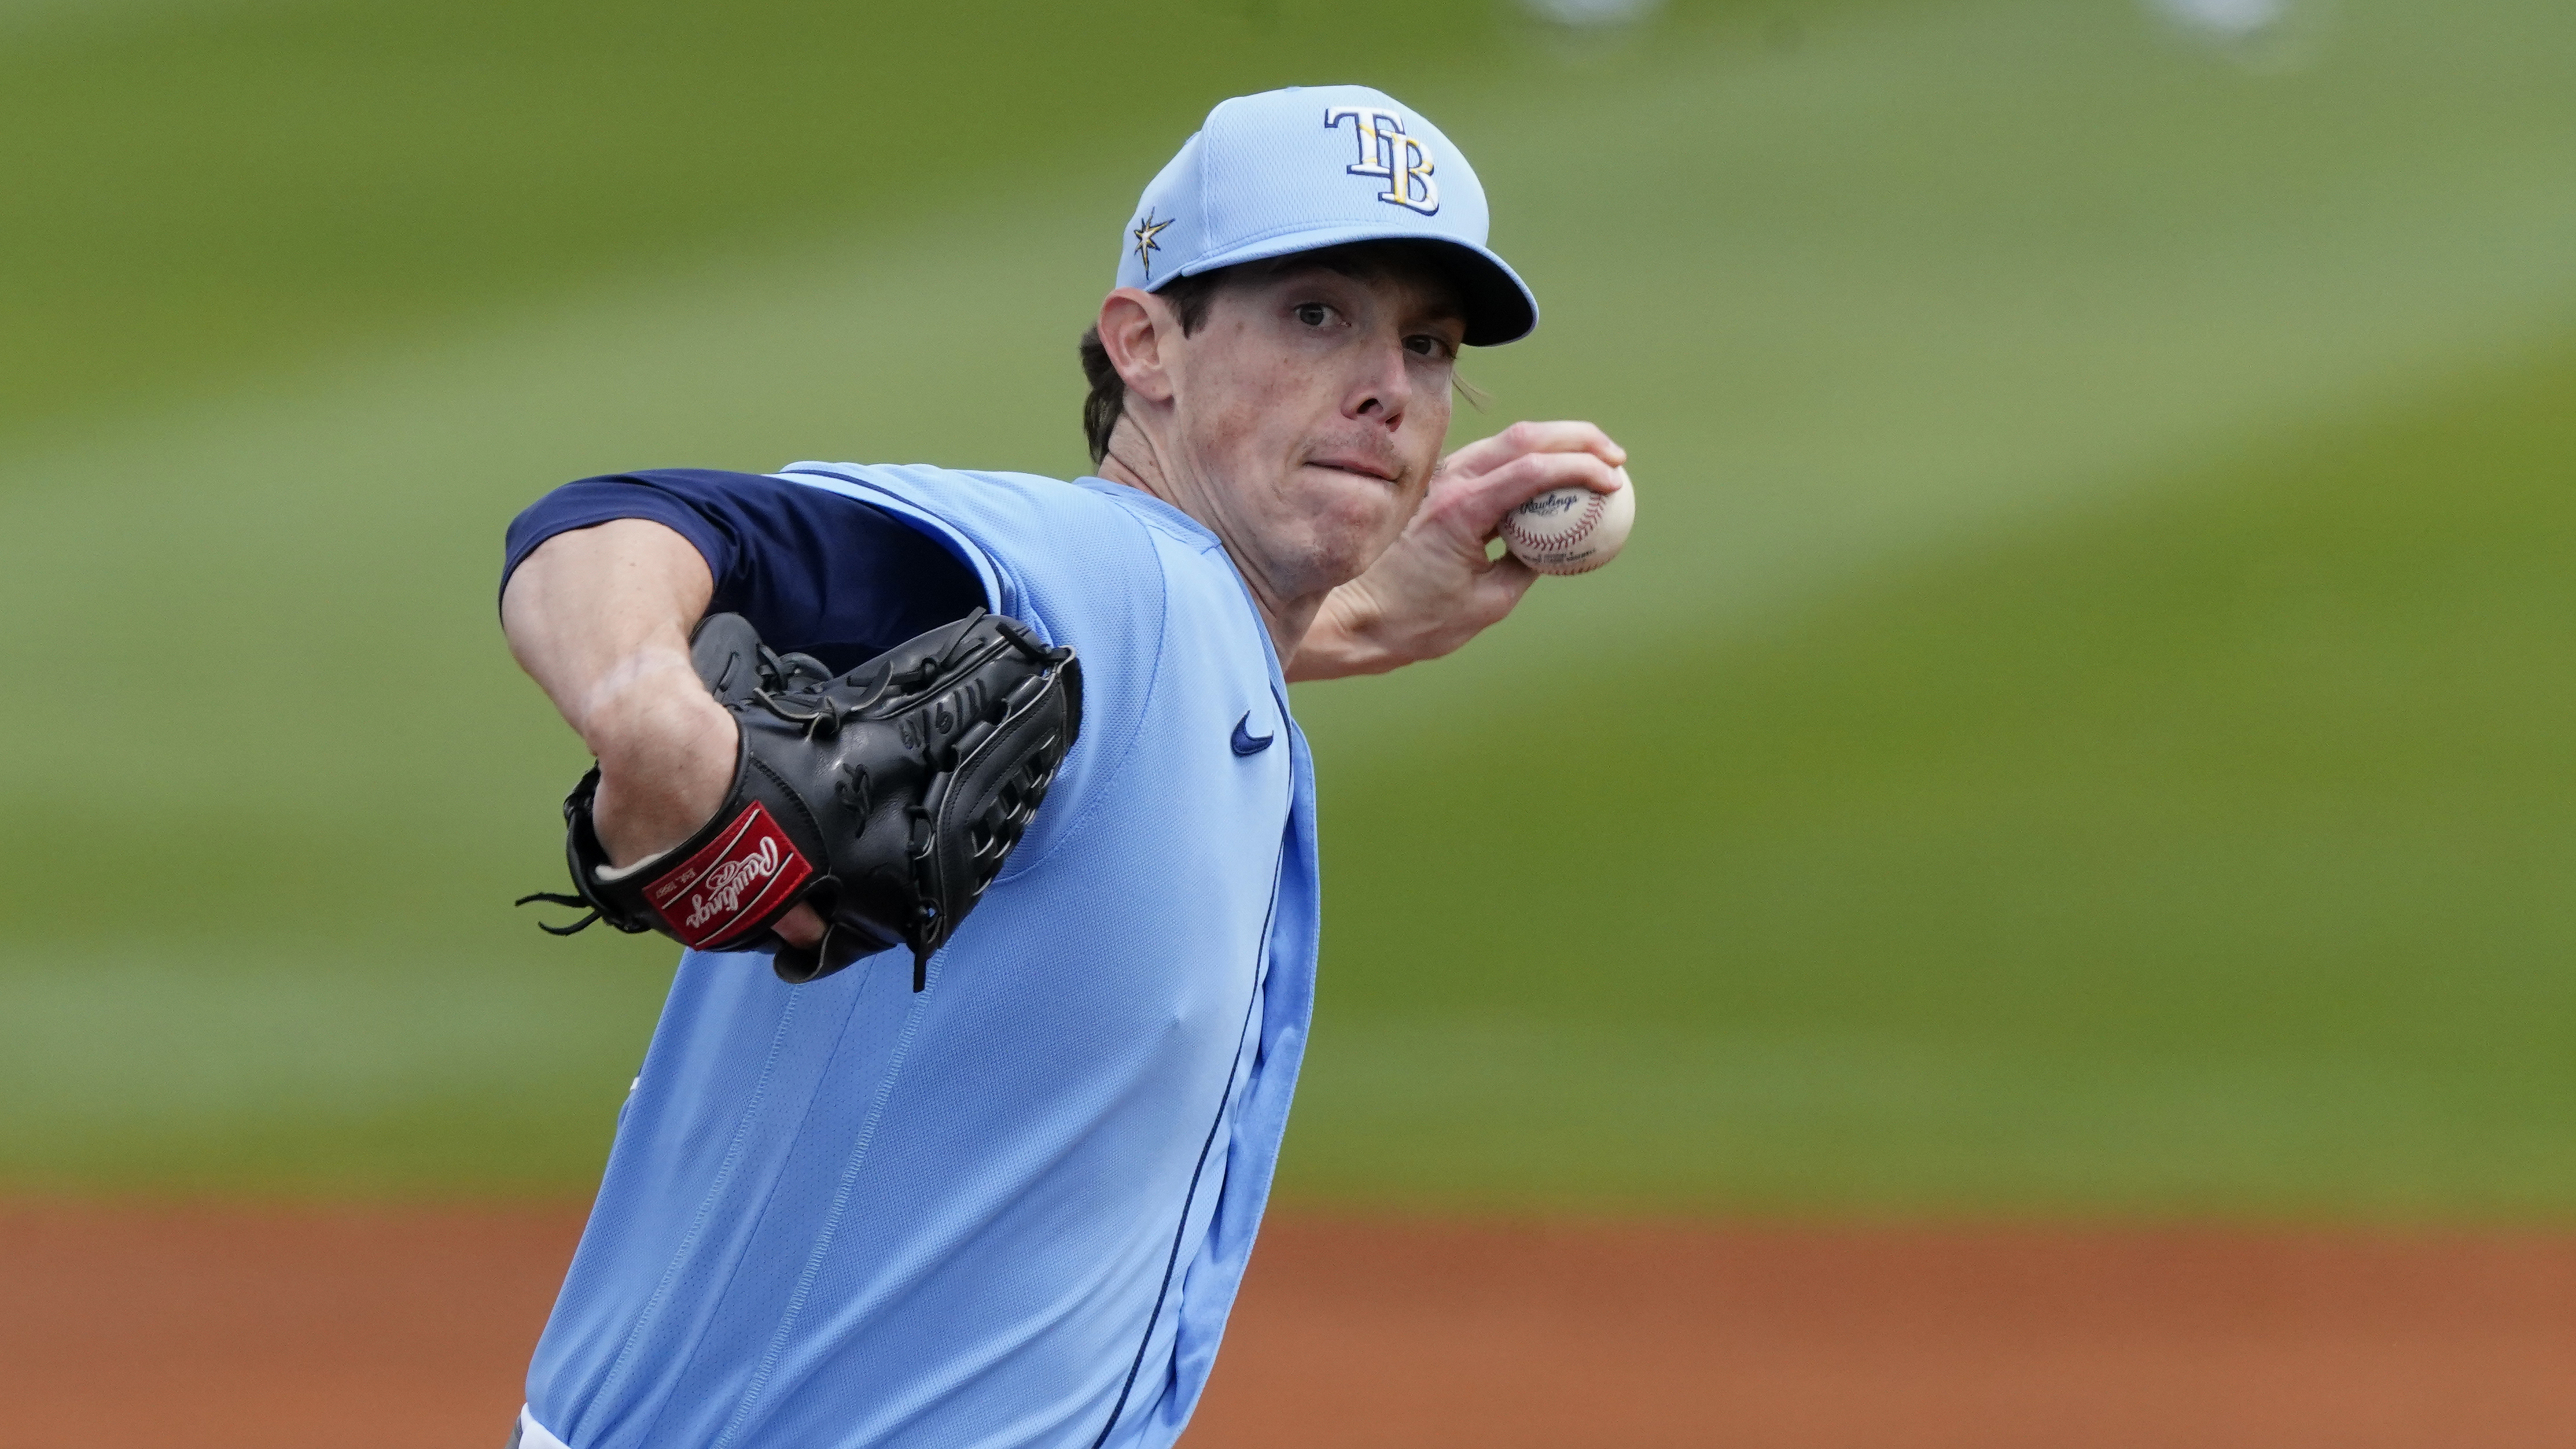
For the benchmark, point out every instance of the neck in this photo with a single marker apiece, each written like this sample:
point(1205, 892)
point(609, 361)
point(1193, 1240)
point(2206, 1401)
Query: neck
point(1136, 460)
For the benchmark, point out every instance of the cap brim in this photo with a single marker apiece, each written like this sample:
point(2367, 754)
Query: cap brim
point(1500, 306)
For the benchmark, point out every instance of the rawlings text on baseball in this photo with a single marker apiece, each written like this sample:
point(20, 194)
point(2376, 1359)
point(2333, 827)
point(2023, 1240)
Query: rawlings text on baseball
point(1571, 530)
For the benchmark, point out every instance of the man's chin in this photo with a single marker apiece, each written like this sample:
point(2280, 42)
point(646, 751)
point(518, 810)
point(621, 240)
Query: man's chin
point(1349, 519)
point(1343, 555)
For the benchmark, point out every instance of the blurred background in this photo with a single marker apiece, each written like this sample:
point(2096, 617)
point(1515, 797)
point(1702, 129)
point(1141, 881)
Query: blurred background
point(2083, 729)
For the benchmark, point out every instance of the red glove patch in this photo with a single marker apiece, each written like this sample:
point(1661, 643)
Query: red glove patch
point(745, 875)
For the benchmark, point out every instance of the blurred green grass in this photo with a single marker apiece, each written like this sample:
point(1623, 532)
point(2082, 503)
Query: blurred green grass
point(1958, 343)
point(207, 189)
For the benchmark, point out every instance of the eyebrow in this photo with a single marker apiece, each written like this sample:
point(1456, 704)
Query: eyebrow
point(1453, 308)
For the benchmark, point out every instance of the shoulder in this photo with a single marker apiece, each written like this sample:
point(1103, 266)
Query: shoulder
point(1042, 544)
point(1072, 561)
point(1006, 502)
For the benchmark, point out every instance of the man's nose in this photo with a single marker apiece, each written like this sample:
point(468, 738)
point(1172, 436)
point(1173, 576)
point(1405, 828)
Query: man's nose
point(1385, 390)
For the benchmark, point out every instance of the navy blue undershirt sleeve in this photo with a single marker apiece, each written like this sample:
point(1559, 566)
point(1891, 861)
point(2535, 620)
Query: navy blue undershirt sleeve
point(814, 571)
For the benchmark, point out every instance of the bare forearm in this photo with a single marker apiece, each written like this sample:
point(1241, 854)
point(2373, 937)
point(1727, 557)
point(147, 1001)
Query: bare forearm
point(600, 618)
point(1420, 602)
point(1343, 641)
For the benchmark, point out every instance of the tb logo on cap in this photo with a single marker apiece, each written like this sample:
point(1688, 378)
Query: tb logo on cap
point(1402, 161)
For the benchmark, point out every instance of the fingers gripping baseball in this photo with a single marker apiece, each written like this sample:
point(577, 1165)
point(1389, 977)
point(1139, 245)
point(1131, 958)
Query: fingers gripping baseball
point(1565, 509)
point(1562, 445)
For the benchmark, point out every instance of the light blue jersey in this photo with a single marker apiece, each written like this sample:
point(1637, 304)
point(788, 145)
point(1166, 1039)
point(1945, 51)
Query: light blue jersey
point(1013, 1209)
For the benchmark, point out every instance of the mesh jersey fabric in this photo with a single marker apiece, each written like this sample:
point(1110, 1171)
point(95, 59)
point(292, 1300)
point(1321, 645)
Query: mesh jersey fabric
point(1013, 1209)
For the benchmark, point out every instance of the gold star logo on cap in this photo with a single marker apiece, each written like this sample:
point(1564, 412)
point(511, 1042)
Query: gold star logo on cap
point(1146, 231)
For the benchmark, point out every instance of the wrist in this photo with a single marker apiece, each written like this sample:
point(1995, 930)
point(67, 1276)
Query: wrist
point(666, 758)
point(1346, 638)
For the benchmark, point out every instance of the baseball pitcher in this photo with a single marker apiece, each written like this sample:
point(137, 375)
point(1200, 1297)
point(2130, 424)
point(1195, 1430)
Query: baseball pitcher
point(976, 802)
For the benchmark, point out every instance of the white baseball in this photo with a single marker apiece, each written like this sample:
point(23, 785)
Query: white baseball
point(1571, 530)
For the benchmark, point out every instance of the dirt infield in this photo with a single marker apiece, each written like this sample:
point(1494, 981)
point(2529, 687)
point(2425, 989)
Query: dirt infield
point(394, 1329)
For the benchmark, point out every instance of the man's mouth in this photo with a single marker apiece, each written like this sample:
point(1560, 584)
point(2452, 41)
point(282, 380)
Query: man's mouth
point(1366, 468)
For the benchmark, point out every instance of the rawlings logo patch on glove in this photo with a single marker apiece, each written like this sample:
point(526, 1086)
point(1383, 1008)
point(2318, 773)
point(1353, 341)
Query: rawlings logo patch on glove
point(749, 873)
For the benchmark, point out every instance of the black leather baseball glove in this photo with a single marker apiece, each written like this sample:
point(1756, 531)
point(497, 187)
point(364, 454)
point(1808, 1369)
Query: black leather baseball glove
point(886, 798)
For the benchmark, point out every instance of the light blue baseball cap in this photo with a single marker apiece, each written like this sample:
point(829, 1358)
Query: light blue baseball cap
point(1317, 166)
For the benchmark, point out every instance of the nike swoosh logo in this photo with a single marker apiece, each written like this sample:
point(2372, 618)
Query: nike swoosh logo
point(1245, 741)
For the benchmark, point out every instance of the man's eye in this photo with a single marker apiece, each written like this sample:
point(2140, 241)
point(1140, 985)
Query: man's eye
point(1313, 314)
point(1426, 345)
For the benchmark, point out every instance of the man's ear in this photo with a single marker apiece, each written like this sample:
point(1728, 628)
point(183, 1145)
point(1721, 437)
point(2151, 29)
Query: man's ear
point(1134, 327)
